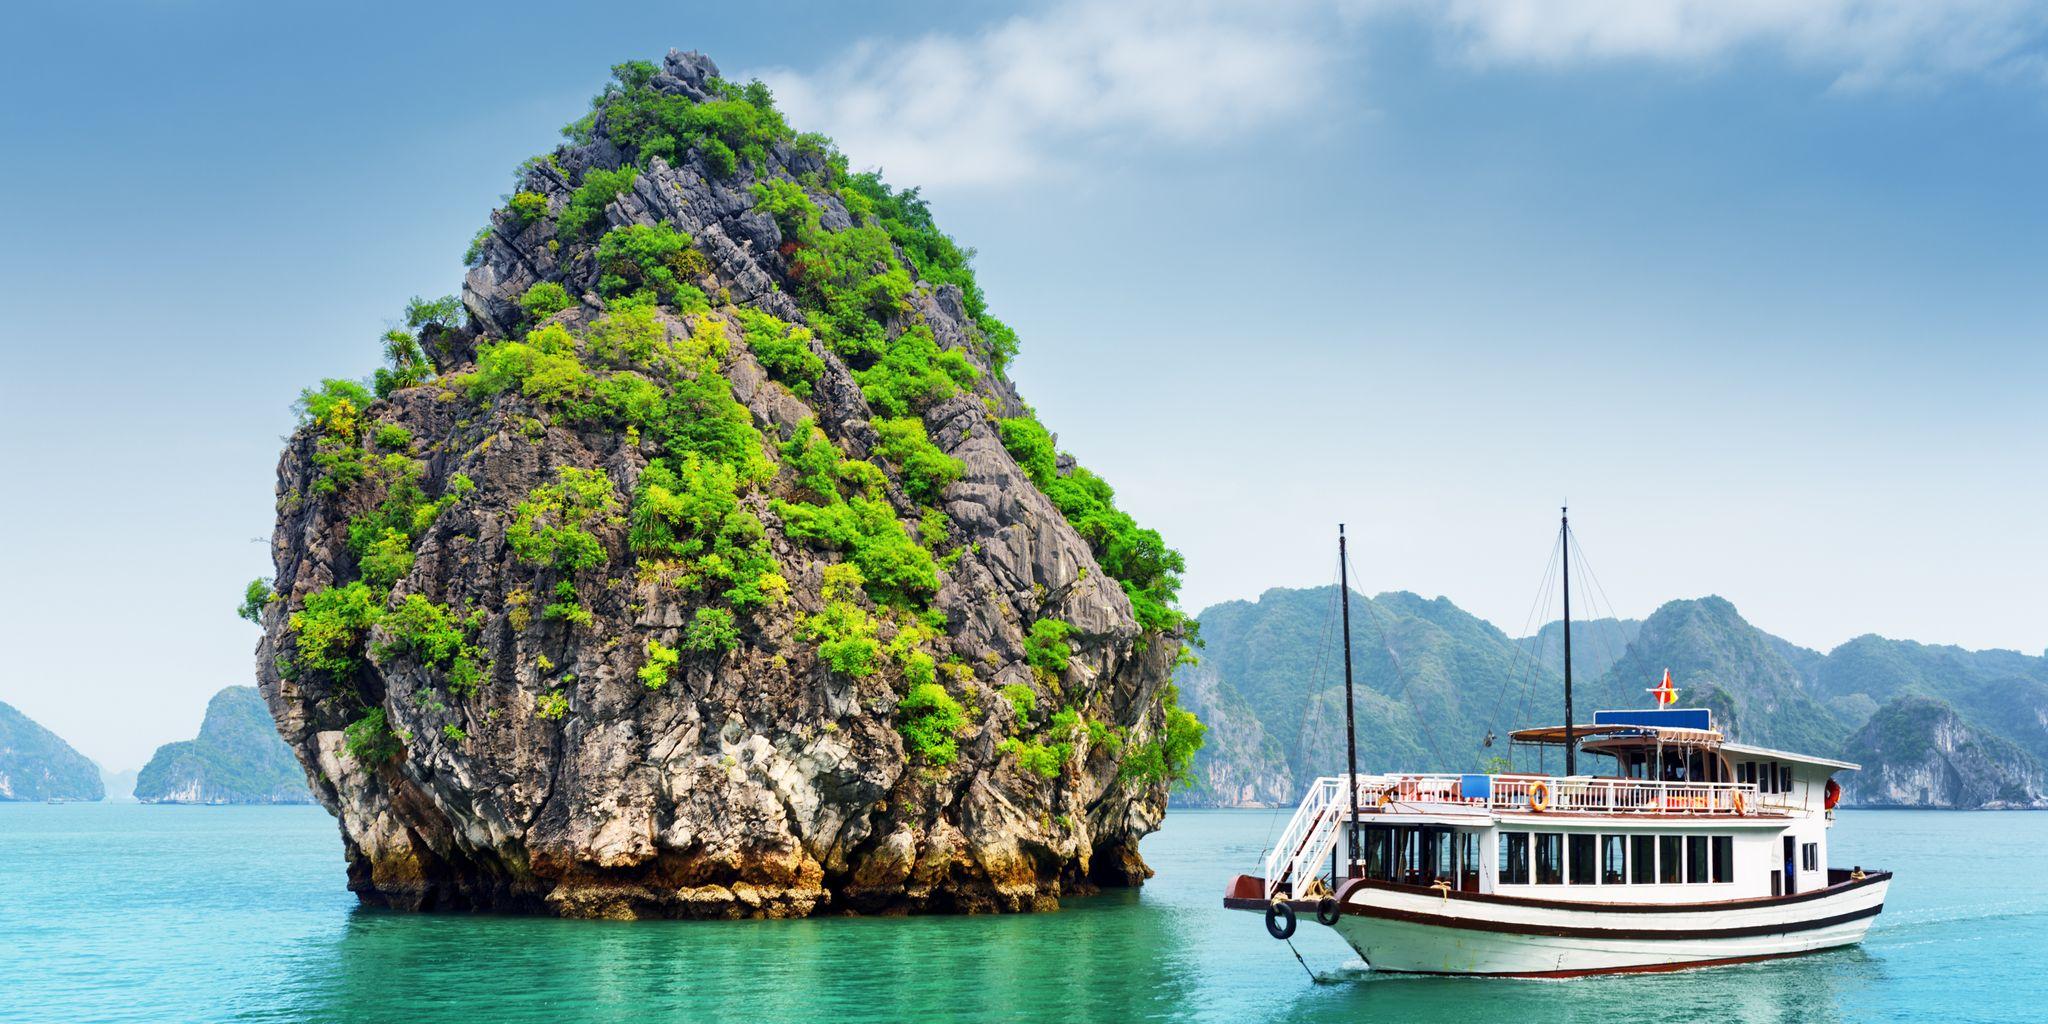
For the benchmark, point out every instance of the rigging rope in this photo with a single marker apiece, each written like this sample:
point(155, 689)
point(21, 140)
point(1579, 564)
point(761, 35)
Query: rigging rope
point(1530, 657)
point(1587, 565)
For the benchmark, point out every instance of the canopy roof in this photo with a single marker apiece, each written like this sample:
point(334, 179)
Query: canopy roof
point(1629, 735)
point(1555, 734)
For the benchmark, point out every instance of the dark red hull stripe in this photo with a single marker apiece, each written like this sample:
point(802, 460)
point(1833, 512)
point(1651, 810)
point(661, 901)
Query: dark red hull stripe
point(1872, 878)
point(1576, 932)
point(1640, 969)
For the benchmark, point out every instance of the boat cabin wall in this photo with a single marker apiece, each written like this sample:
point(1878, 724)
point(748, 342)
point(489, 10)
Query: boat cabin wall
point(1613, 862)
point(1788, 787)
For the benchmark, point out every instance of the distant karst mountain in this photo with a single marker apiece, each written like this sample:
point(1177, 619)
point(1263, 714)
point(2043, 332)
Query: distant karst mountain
point(1596, 645)
point(1918, 752)
point(37, 765)
point(1932, 726)
point(237, 759)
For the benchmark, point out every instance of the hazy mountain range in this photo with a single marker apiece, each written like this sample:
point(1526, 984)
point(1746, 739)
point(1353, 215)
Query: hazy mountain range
point(237, 758)
point(1932, 726)
point(35, 764)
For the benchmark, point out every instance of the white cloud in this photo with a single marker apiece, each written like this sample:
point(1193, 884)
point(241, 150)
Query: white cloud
point(1043, 91)
point(1862, 43)
point(1002, 105)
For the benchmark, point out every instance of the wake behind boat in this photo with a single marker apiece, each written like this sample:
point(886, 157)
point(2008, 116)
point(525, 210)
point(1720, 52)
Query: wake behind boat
point(1693, 851)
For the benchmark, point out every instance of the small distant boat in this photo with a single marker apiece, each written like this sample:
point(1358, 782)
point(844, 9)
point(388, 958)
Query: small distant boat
point(1695, 852)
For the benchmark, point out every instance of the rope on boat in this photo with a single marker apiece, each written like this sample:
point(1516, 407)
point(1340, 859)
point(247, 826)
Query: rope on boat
point(1313, 977)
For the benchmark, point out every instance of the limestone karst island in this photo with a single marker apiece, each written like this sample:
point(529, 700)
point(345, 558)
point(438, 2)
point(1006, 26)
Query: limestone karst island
point(702, 561)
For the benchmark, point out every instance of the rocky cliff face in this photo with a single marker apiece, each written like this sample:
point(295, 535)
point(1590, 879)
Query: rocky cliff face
point(1240, 765)
point(236, 759)
point(714, 568)
point(35, 764)
point(1917, 752)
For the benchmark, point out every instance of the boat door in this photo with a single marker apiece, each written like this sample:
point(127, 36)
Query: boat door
point(1791, 865)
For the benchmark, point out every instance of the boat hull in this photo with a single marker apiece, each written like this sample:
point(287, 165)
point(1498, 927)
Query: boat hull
point(1412, 930)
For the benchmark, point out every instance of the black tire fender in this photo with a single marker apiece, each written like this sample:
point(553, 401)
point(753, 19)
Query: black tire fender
point(1280, 921)
point(1327, 911)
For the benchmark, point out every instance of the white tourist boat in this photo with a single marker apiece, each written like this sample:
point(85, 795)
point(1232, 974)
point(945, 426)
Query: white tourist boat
point(1692, 851)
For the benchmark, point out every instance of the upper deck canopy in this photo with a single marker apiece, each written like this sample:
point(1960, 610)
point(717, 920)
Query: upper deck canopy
point(1689, 727)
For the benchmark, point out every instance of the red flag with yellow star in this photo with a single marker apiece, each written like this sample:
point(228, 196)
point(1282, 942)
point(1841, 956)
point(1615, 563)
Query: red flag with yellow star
point(1664, 691)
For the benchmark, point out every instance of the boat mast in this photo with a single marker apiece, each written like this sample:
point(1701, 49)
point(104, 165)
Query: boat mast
point(1350, 721)
point(1564, 542)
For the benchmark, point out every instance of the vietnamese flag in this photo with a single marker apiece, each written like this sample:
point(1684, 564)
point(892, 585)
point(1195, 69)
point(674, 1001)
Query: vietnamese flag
point(1664, 691)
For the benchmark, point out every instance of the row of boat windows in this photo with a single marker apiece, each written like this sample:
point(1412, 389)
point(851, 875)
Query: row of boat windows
point(1696, 766)
point(1419, 855)
point(1776, 778)
point(1557, 858)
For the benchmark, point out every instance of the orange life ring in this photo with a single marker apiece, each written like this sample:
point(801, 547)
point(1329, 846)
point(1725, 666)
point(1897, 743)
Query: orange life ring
point(1741, 806)
point(1539, 796)
point(1833, 795)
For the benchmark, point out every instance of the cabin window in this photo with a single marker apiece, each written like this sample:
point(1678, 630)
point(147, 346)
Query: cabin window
point(1613, 860)
point(1549, 858)
point(1446, 856)
point(1377, 840)
point(1468, 861)
point(1670, 860)
point(1724, 858)
point(1643, 859)
point(1581, 860)
point(1514, 858)
point(1784, 778)
point(1745, 771)
point(1809, 857)
point(1696, 859)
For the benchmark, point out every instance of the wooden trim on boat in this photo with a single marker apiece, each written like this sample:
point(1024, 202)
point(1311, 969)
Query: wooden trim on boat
point(1686, 965)
point(1579, 932)
point(1871, 878)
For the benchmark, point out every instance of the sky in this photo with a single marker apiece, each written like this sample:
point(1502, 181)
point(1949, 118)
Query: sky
point(1759, 289)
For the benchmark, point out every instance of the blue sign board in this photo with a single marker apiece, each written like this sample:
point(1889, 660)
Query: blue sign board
point(1661, 718)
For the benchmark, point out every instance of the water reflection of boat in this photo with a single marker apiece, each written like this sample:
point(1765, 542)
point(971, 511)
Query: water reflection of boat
point(1688, 851)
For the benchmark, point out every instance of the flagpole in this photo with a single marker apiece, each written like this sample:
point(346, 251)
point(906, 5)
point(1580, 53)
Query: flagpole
point(1350, 723)
point(1564, 541)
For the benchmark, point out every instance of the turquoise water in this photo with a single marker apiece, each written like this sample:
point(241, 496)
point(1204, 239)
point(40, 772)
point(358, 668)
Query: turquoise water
point(134, 913)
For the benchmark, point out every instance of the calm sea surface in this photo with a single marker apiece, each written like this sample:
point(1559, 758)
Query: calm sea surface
point(113, 912)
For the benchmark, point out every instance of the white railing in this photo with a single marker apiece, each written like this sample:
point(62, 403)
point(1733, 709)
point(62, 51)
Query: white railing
point(1306, 839)
point(1570, 796)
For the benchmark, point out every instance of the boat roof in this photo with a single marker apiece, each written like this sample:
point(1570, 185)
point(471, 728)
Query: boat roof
point(1786, 755)
point(1599, 733)
point(1555, 734)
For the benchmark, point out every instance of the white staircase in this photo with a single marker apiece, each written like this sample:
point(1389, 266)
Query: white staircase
point(1303, 850)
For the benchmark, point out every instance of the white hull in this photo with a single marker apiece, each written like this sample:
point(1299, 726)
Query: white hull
point(1406, 931)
